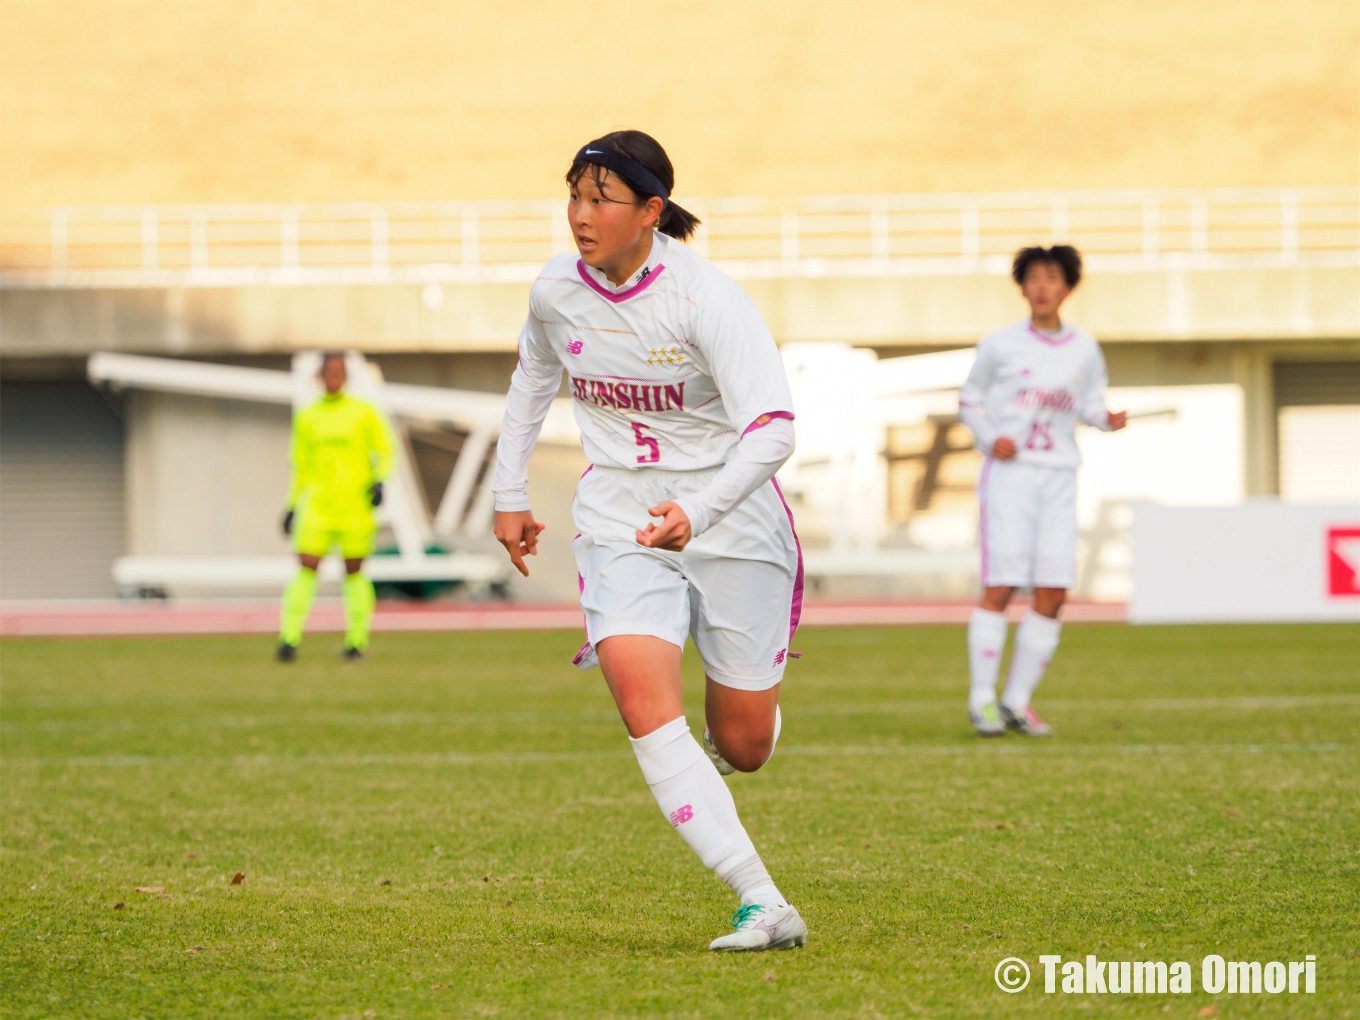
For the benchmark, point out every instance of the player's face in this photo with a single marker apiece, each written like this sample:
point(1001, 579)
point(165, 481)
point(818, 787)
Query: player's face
point(1045, 288)
point(606, 222)
point(333, 375)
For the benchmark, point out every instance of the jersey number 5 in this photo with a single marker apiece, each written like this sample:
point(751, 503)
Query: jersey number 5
point(649, 444)
point(1039, 436)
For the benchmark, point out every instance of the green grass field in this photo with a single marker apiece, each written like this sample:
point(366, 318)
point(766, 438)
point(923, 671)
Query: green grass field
point(457, 828)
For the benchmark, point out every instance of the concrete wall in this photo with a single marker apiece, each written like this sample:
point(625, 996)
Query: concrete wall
point(166, 101)
point(1303, 303)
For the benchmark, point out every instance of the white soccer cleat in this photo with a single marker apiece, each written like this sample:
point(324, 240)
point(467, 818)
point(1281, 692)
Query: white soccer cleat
point(719, 763)
point(762, 926)
point(987, 721)
point(1026, 721)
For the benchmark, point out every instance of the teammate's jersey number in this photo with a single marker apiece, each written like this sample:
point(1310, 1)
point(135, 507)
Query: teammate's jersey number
point(1040, 438)
point(649, 444)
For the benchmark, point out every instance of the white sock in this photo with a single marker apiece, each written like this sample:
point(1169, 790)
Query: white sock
point(778, 725)
point(1036, 639)
point(986, 642)
point(697, 803)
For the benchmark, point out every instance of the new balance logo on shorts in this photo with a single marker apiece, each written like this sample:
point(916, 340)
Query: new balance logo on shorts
point(681, 815)
point(575, 346)
point(779, 656)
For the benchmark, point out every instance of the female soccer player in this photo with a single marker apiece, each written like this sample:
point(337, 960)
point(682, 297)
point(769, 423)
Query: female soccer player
point(340, 455)
point(1032, 382)
point(685, 416)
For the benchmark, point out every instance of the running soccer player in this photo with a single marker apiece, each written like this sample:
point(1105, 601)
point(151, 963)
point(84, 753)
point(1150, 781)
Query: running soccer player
point(1032, 382)
point(685, 415)
point(340, 455)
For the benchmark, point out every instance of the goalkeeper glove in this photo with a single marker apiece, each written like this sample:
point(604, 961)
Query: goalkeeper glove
point(288, 523)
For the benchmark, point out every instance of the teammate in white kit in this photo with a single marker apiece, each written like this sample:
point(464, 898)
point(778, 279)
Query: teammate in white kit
point(685, 416)
point(1032, 382)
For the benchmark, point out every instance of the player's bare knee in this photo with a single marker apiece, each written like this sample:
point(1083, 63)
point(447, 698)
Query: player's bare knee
point(750, 755)
point(745, 751)
point(1048, 601)
point(997, 599)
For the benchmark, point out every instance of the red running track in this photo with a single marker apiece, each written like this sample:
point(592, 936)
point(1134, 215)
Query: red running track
point(256, 616)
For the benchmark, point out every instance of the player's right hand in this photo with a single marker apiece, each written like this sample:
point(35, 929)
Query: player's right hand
point(518, 532)
point(288, 523)
point(1003, 448)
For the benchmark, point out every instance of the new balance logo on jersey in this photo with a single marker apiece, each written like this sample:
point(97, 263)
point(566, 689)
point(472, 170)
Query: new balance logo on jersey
point(629, 396)
point(681, 815)
point(575, 346)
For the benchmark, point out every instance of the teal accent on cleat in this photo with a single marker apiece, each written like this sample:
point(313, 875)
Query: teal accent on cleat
point(762, 926)
point(987, 721)
point(1026, 721)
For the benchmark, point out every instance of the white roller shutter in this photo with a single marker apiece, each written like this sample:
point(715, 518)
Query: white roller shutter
point(1318, 430)
point(61, 491)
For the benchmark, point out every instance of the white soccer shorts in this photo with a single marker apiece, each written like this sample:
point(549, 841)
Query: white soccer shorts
point(737, 588)
point(1028, 525)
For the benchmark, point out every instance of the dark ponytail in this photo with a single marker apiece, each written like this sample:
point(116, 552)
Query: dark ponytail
point(645, 150)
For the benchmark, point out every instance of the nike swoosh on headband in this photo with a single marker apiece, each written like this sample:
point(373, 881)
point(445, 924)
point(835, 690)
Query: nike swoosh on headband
point(633, 173)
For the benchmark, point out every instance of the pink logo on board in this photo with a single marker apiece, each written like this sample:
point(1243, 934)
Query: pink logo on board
point(1343, 561)
point(575, 346)
point(681, 815)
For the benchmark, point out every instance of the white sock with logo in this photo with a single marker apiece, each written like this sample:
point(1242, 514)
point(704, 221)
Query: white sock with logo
point(695, 800)
point(986, 642)
point(1036, 639)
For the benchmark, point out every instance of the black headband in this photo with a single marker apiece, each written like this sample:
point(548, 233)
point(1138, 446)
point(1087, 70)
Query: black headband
point(629, 170)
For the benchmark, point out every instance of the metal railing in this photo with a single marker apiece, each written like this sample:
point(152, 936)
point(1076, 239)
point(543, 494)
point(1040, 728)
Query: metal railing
point(490, 241)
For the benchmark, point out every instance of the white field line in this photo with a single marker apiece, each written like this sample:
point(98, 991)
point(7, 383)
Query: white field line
point(1048, 749)
point(1243, 704)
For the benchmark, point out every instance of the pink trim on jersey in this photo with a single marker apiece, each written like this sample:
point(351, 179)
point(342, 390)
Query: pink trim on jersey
point(1052, 341)
point(796, 605)
point(766, 418)
point(982, 515)
point(622, 295)
point(584, 651)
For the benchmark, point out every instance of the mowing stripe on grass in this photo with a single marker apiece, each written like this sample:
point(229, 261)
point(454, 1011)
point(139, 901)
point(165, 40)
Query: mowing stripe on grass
point(1245, 704)
point(539, 757)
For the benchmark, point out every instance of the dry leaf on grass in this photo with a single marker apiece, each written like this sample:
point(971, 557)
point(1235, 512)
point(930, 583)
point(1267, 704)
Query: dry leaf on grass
point(1209, 1011)
point(238, 878)
point(435, 988)
point(117, 906)
point(151, 888)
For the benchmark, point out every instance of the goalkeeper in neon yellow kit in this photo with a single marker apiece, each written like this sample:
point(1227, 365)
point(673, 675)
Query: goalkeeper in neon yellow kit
point(341, 453)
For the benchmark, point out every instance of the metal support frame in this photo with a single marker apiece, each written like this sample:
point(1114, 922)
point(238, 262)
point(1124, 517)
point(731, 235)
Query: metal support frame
point(465, 511)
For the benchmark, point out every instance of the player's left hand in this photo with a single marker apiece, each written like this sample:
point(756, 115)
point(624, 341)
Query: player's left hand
point(1118, 419)
point(673, 531)
point(375, 493)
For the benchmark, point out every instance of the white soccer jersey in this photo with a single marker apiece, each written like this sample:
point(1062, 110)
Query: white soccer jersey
point(1033, 388)
point(667, 371)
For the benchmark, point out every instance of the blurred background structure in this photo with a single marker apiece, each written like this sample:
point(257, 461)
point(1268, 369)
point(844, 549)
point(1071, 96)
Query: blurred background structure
point(237, 184)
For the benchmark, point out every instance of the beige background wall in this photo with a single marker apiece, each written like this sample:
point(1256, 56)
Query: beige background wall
point(201, 100)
